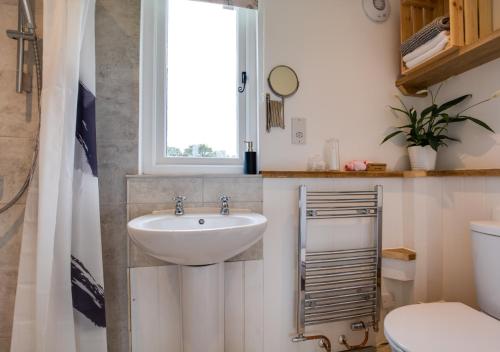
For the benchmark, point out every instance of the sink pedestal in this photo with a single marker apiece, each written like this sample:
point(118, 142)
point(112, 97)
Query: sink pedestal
point(202, 297)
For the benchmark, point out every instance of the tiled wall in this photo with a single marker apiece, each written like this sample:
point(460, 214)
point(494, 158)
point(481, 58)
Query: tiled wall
point(117, 90)
point(117, 62)
point(148, 193)
point(18, 121)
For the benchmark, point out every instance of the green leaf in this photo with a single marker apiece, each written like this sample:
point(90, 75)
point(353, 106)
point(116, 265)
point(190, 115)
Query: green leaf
point(452, 139)
point(452, 120)
point(478, 122)
point(393, 134)
point(428, 110)
point(452, 103)
point(434, 144)
point(448, 138)
point(412, 115)
point(400, 110)
point(438, 131)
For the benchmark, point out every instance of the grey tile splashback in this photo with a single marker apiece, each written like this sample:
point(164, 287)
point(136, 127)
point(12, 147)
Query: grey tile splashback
point(162, 190)
point(146, 194)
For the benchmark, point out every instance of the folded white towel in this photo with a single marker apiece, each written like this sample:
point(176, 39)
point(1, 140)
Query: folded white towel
point(428, 54)
point(426, 47)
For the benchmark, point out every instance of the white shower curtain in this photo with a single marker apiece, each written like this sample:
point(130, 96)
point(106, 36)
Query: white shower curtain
point(60, 296)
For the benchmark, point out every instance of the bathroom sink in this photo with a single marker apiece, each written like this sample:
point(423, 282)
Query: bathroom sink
point(198, 238)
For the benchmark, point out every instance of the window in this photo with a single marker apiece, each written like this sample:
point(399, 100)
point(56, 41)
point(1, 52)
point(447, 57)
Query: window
point(193, 55)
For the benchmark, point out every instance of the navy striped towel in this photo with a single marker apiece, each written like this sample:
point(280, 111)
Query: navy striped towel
point(427, 33)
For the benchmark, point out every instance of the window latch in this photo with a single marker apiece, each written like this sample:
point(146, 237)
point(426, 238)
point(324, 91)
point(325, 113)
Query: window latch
point(244, 79)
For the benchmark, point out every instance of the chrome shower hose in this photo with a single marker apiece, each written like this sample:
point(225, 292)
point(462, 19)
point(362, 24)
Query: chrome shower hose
point(31, 171)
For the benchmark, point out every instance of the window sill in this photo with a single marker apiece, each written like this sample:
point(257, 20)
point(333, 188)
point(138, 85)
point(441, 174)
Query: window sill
point(179, 169)
point(146, 176)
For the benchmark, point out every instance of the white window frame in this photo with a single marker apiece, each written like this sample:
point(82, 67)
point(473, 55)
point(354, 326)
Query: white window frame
point(152, 104)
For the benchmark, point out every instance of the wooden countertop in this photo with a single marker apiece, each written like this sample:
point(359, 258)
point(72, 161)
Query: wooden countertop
point(381, 174)
point(330, 174)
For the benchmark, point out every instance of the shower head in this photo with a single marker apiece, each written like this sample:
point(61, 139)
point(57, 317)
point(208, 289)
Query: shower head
point(28, 15)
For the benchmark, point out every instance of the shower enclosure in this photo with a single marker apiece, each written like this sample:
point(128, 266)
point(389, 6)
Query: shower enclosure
point(26, 33)
point(19, 119)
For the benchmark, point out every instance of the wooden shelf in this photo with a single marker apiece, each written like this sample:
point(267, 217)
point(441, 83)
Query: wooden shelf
point(456, 173)
point(381, 174)
point(404, 254)
point(331, 174)
point(450, 62)
point(473, 39)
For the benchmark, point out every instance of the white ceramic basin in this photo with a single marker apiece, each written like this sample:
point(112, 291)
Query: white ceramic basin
point(196, 239)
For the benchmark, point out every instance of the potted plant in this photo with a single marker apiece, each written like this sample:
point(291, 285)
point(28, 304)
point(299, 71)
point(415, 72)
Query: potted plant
point(428, 131)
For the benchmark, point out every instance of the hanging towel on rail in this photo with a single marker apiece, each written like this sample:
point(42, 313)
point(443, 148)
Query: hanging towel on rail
point(427, 33)
point(428, 54)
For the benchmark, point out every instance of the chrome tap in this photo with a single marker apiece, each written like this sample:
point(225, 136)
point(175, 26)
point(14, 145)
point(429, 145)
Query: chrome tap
point(224, 209)
point(179, 205)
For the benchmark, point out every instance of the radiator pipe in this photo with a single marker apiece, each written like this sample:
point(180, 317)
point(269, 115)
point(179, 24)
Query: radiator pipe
point(343, 338)
point(323, 341)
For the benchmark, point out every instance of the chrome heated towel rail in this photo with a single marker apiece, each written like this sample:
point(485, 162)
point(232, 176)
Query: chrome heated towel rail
point(339, 284)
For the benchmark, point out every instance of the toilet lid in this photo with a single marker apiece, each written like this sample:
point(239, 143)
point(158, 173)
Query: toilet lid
point(443, 327)
point(486, 227)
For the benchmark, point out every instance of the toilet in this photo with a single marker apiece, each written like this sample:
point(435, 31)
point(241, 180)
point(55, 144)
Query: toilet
point(453, 326)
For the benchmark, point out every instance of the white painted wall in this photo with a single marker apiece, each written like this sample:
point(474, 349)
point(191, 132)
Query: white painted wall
point(464, 200)
point(346, 66)
point(479, 148)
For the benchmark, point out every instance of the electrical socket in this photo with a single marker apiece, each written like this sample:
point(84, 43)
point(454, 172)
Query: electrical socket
point(299, 130)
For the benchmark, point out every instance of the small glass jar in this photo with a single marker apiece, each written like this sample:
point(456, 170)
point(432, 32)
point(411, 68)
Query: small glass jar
point(332, 154)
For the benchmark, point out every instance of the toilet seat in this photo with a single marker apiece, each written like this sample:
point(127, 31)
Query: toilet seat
point(441, 327)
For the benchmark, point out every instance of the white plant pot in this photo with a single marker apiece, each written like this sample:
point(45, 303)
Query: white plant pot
point(422, 158)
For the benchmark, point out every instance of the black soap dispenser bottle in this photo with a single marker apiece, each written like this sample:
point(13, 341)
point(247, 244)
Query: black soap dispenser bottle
point(250, 163)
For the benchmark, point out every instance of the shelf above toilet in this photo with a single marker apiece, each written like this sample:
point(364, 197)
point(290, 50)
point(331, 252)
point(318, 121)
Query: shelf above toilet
point(398, 264)
point(399, 254)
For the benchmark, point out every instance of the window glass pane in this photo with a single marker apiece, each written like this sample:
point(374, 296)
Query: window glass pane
point(202, 118)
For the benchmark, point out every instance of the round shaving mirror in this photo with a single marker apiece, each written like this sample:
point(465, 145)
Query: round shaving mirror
point(283, 81)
